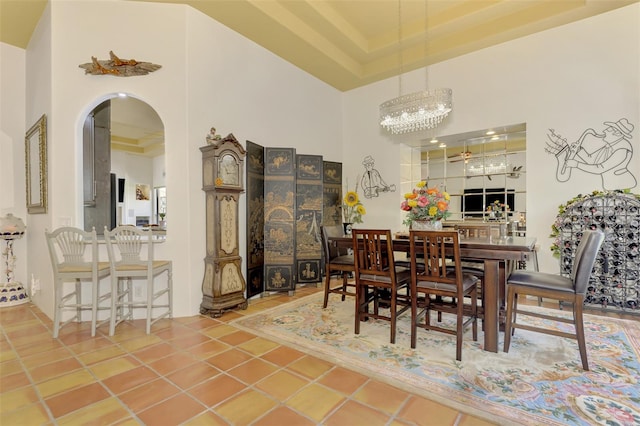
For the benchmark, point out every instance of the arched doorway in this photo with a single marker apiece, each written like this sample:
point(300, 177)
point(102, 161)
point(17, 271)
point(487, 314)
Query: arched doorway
point(123, 164)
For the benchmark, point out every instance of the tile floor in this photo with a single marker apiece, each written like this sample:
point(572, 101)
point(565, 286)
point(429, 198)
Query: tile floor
point(189, 371)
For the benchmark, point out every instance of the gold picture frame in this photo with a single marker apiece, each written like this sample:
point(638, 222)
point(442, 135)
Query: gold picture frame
point(36, 166)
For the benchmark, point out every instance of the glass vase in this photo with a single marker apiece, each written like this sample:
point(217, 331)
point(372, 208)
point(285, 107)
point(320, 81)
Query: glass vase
point(427, 225)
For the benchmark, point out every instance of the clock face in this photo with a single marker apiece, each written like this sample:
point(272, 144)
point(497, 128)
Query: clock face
point(228, 170)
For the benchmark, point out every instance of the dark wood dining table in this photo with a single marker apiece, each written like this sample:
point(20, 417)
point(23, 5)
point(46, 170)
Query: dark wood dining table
point(495, 253)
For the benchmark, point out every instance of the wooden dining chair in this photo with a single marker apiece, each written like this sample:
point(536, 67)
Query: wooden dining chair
point(74, 258)
point(336, 262)
point(442, 286)
point(570, 289)
point(376, 275)
point(126, 246)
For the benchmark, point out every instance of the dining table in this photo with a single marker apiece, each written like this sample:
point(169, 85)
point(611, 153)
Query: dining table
point(496, 253)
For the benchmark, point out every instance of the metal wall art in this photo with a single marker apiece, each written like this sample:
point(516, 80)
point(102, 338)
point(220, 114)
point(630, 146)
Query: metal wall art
point(118, 67)
point(606, 153)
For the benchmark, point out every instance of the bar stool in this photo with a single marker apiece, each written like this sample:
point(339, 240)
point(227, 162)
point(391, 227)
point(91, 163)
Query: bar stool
point(125, 244)
point(72, 244)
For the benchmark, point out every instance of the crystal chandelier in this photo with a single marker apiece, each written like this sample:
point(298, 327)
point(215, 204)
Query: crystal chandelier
point(416, 111)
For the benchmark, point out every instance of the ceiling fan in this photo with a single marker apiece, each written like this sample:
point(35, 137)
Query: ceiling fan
point(463, 156)
point(515, 172)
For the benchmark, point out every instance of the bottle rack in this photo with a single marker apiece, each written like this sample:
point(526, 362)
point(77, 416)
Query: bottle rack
point(615, 281)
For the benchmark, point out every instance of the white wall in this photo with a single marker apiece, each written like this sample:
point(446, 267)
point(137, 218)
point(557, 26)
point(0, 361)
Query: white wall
point(569, 78)
point(135, 169)
point(12, 162)
point(210, 76)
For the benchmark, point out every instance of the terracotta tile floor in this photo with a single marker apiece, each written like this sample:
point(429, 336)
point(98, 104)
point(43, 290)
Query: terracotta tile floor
point(192, 371)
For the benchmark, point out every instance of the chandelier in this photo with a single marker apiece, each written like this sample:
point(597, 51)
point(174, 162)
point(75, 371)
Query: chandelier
point(416, 111)
point(481, 167)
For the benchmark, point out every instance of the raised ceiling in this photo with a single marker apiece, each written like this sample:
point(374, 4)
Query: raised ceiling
point(351, 43)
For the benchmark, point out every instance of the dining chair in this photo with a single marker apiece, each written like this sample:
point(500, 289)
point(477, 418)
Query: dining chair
point(125, 246)
point(336, 263)
point(376, 274)
point(442, 286)
point(74, 257)
point(570, 289)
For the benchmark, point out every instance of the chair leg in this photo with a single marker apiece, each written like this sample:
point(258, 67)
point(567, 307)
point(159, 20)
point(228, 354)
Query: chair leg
point(358, 306)
point(327, 286)
point(149, 302)
point(129, 290)
point(393, 310)
point(57, 314)
point(115, 297)
point(474, 312)
point(95, 287)
point(510, 313)
point(78, 300)
point(459, 329)
point(344, 285)
point(414, 319)
point(577, 315)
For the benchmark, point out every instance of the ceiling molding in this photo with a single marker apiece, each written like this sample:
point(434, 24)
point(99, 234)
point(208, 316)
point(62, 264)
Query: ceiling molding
point(351, 43)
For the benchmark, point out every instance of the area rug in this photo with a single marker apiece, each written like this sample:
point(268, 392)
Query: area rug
point(539, 382)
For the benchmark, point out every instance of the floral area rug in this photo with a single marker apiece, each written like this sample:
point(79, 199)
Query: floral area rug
point(539, 382)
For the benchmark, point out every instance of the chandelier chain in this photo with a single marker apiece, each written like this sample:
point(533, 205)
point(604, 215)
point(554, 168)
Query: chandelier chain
point(400, 56)
point(417, 111)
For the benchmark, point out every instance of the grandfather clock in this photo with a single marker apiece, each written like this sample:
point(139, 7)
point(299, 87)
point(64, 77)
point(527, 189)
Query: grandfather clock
point(223, 286)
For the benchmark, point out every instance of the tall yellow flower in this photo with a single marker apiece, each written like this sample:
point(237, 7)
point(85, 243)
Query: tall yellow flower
point(351, 199)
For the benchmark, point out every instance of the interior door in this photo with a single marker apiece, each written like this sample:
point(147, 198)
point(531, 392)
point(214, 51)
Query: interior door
point(99, 208)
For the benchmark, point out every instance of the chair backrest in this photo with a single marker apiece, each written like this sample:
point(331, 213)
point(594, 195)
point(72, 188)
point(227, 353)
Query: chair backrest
point(441, 256)
point(473, 230)
point(586, 254)
point(129, 240)
point(72, 244)
point(330, 251)
point(373, 252)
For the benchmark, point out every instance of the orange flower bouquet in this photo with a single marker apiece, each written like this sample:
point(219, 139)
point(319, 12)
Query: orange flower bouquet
point(425, 204)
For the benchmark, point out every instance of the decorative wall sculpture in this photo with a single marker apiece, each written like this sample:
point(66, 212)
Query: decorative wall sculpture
point(606, 153)
point(118, 67)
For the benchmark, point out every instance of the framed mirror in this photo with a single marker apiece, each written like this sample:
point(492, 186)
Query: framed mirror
point(36, 166)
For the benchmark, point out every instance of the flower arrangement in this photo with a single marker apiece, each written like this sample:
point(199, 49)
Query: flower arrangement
point(425, 204)
point(352, 209)
point(497, 208)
